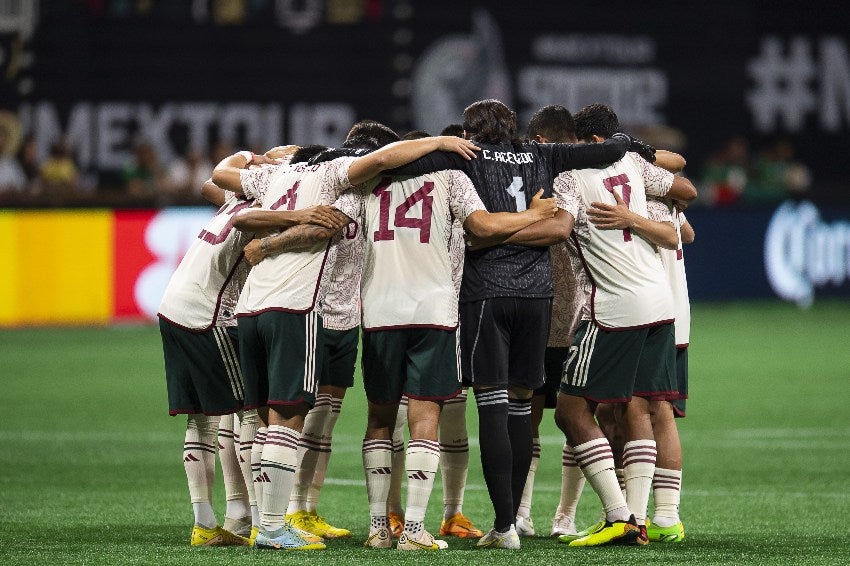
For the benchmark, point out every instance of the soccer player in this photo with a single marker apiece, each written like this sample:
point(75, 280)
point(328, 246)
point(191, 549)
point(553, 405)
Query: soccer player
point(666, 526)
point(506, 294)
point(279, 323)
point(622, 352)
point(196, 318)
point(550, 124)
point(410, 318)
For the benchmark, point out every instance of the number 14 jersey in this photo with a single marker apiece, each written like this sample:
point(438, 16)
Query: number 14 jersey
point(408, 263)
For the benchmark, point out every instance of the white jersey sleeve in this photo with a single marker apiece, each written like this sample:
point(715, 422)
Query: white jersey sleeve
point(657, 181)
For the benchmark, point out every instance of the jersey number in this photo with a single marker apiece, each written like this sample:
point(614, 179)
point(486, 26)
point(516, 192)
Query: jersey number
point(515, 190)
point(621, 180)
point(287, 199)
point(214, 239)
point(402, 220)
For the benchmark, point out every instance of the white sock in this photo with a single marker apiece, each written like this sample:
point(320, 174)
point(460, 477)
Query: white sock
point(280, 459)
point(249, 422)
point(597, 463)
point(199, 463)
point(667, 489)
point(524, 509)
point(454, 454)
point(572, 483)
point(312, 443)
point(394, 495)
point(257, 478)
point(377, 464)
point(236, 493)
point(315, 489)
point(422, 461)
point(638, 469)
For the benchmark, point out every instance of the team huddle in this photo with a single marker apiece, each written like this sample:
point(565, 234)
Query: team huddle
point(540, 273)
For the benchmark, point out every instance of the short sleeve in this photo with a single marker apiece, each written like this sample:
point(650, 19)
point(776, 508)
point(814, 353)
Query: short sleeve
point(656, 180)
point(464, 197)
point(335, 180)
point(256, 181)
point(658, 211)
point(350, 203)
point(566, 192)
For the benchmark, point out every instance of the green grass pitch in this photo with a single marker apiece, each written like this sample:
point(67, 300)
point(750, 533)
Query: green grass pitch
point(90, 468)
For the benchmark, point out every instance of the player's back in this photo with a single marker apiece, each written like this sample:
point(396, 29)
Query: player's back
point(629, 284)
point(407, 268)
point(193, 296)
point(674, 265)
point(291, 281)
point(506, 177)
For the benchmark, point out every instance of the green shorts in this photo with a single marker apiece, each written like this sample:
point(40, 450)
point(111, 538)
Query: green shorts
point(421, 363)
point(201, 370)
point(282, 355)
point(611, 367)
point(681, 382)
point(340, 357)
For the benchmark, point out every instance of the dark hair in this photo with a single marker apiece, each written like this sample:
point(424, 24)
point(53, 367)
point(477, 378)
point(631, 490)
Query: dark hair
point(369, 134)
point(489, 121)
point(335, 153)
point(304, 153)
point(453, 130)
point(596, 120)
point(416, 135)
point(554, 123)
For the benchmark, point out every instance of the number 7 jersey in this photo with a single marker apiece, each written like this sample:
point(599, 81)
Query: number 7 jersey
point(628, 284)
point(408, 264)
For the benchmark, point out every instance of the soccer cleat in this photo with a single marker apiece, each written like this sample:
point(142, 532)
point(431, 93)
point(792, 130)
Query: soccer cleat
point(240, 527)
point(495, 539)
point(425, 541)
point(285, 538)
point(611, 532)
point(642, 539)
point(562, 525)
point(253, 537)
point(379, 538)
point(313, 528)
point(216, 537)
point(322, 528)
point(396, 524)
point(458, 525)
point(582, 533)
point(674, 533)
point(525, 527)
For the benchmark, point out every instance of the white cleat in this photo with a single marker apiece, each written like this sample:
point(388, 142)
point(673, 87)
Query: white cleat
point(495, 539)
point(379, 538)
point(525, 527)
point(562, 525)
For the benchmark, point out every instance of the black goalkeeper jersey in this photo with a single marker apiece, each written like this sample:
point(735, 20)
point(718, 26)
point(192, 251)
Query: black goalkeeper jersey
point(506, 177)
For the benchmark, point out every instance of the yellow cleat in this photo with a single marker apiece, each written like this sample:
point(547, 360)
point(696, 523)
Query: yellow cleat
point(611, 532)
point(583, 533)
point(216, 537)
point(301, 522)
point(459, 526)
point(396, 524)
point(253, 537)
point(322, 528)
point(675, 533)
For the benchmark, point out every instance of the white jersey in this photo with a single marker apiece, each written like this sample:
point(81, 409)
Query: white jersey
point(341, 308)
point(201, 291)
point(408, 266)
point(674, 265)
point(294, 281)
point(628, 285)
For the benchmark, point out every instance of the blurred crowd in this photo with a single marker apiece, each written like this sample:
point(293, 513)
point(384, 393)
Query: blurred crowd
point(26, 180)
point(733, 175)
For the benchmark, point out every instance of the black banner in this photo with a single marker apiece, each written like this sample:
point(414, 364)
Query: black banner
point(107, 73)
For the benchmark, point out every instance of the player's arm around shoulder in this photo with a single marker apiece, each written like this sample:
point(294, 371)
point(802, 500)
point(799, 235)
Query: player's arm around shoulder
point(399, 153)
